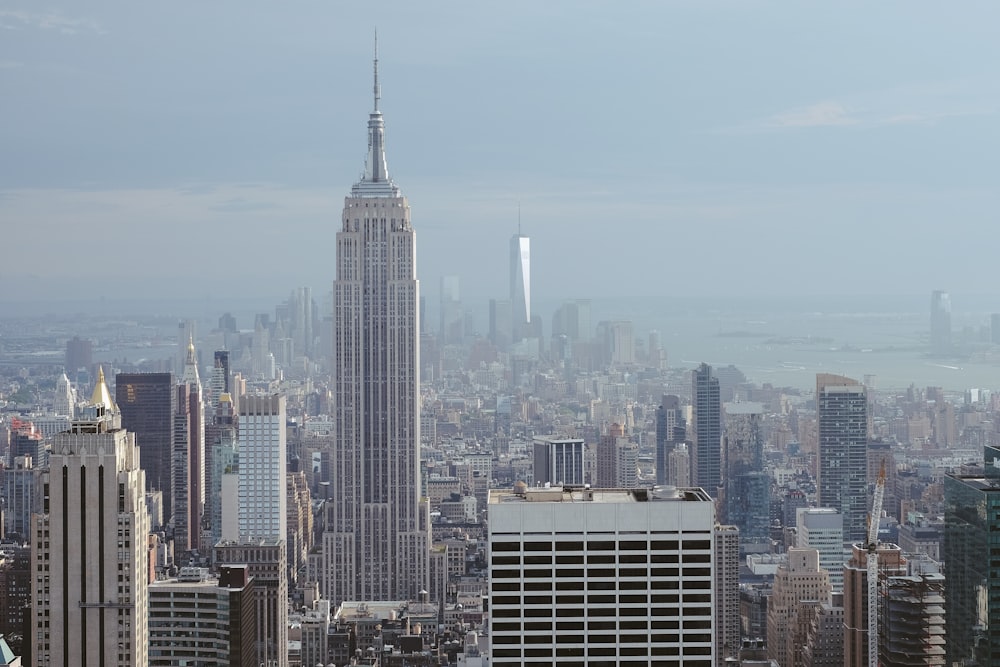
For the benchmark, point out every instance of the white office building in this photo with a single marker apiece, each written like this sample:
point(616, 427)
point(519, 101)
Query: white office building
point(822, 528)
point(262, 472)
point(605, 576)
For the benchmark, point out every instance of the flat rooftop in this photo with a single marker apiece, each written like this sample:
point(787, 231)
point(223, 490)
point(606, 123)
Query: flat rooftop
point(579, 494)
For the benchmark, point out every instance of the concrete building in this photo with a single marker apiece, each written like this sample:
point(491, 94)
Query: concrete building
point(800, 587)
point(222, 502)
point(200, 619)
point(680, 466)
point(89, 545)
point(706, 430)
point(822, 528)
point(842, 475)
point(581, 576)
point(146, 401)
point(728, 639)
point(266, 561)
point(558, 461)
point(825, 640)
point(15, 597)
point(670, 431)
point(617, 460)
point(378, 540)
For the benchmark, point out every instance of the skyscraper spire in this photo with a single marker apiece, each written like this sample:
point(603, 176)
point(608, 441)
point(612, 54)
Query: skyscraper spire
point(375, 181)
point(377, 90)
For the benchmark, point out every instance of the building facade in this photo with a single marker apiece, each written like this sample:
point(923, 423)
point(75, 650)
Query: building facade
point(197, 619)
point(842, 475)
point(89, 545)
point(609, 577)
point(671, 430)
point(377, 544)
point(706, 430)
point(520, 286)
point(972, 582)
point(745, 500)
point(262, 474)
point(558, 461)
point(146, 401)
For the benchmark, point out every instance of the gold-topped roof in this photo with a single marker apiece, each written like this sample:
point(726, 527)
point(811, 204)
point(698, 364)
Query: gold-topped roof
point(224, 397)
point(102, 395)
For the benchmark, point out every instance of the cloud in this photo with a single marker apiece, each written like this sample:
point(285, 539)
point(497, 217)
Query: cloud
point(923, 103)
point(11, 64)
point(13, 19)
point(823, 114)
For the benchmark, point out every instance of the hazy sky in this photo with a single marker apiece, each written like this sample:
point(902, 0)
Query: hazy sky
point(696, 148)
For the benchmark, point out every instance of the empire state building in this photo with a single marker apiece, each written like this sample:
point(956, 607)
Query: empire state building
point(377, 542)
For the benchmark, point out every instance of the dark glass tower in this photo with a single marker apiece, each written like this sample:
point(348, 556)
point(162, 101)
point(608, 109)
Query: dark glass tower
point(971, 553)
point(747, 488)
point(146, 401)
point(842, 482)
point(706, 462)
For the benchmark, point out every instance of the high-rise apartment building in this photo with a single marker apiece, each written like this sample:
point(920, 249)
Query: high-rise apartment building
point(940, 323)
point(89, 545)
point(146, 401)
point(842, 476)
point(188, 460)
point(706, 430)
point(520, 286)
point(558, 461)
point(745, 500)
point(602, 577)
point(262, 468)
point(377, 544)
point(727, 594)
point(670, 430)
point(617, 460)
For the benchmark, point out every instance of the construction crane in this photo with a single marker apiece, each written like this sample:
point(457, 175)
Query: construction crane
point(872, 547)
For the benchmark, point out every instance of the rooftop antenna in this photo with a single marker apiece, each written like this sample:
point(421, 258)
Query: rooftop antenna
point(377, 90)
point(518, 217)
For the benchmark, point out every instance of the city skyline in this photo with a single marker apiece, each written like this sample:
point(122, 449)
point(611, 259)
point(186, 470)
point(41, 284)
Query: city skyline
point(847, 143)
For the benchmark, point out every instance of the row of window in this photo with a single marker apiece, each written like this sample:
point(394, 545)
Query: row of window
point(605, 545)
point(581, 612)
point(672, 598)
point(615, 638)
point(623, 624)
point(687, 572)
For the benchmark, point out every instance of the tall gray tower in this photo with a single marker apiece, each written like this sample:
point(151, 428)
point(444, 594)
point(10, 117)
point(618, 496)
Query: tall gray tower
point(940, 323)
point(378, 541)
